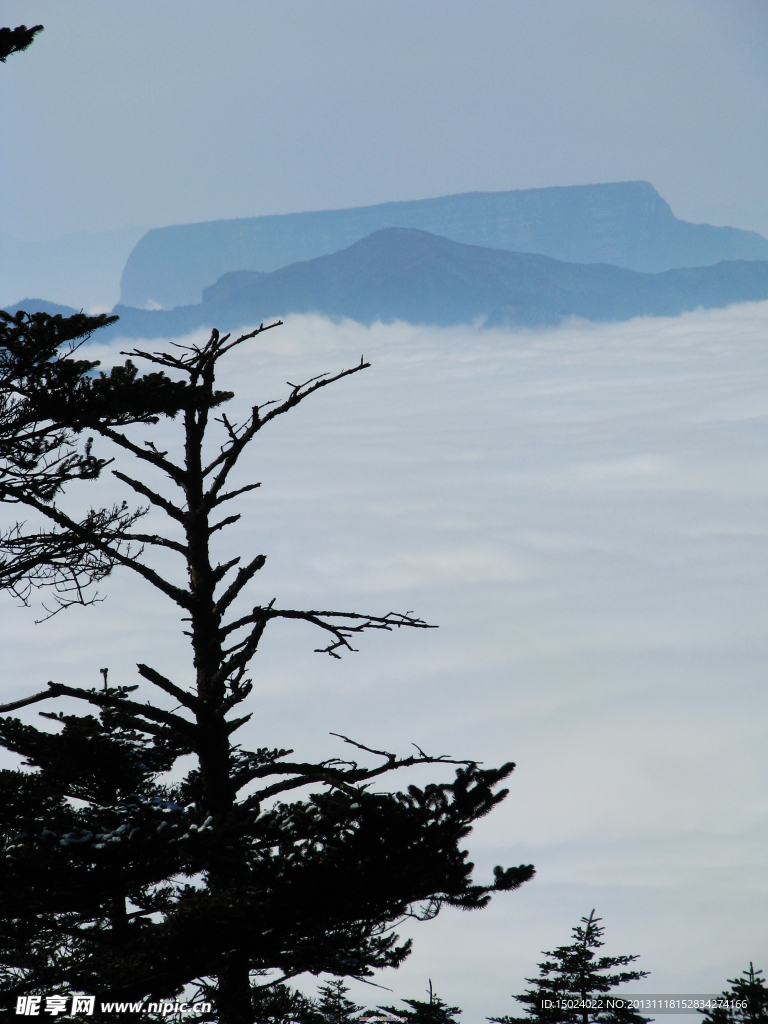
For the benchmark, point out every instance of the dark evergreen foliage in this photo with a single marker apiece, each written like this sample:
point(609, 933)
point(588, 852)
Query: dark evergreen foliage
point(750, 989)
point(333, 1005)
point(280, 1004)
point(125, 886)
point(65, 827)
point(432, 1011)
point(48, 398)
point(573, 974)
point(14, 40)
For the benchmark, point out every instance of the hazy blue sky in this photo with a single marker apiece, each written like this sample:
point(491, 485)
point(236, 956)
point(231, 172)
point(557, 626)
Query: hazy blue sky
point(151, 113)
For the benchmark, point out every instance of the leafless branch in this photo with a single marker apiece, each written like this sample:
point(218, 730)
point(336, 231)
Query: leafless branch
point(343, 632)
point(231, 453)
point(234, 666)
point(157, 499)
point(221, 571)
point(224, 522)
point(187, 699)
point(35, 699)
point(157, 541)
point(348, 780)
point(229, 495)
point(239, 693)
point(140, 711)
point(213, 350)
point(62, 558)
point(243, 576)
point(148, 453)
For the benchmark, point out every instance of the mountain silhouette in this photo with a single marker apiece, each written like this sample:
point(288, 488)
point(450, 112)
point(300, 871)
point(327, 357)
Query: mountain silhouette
point(404, 274)
point(625, 224)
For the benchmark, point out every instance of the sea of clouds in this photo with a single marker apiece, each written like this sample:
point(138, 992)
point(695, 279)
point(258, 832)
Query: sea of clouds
point(584, 513)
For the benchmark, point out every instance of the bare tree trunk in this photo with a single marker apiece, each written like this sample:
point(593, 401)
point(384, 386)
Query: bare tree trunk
point(233, 1000)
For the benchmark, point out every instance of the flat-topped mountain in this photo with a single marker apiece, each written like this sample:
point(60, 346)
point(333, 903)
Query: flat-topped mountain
point(626, 224)
point(404, 274)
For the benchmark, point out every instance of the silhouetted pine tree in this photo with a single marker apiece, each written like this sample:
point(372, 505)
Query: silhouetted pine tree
point(333, 1005)
point(433, 1011)
point(750, 989)
point(572, 975)
point(123, 885)
point(280, 1004)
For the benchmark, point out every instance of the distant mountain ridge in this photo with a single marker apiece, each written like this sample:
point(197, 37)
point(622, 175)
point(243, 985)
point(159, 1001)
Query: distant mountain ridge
point(43, 306)
point(410, 275)
point(625, 224)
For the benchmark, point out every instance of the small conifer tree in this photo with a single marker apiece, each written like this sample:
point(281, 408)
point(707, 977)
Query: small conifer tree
point(572, 978)
point(279, 1004)
point(747, 1000)
point(333, 1005)
point(432, 1011)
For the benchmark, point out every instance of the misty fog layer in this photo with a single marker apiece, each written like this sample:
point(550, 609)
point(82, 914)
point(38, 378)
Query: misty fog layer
point(584, 512)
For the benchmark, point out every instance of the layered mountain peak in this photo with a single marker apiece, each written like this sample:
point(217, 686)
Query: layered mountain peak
point(626, 224)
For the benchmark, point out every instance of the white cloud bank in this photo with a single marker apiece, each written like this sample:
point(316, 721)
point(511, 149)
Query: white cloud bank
point(584, 511)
